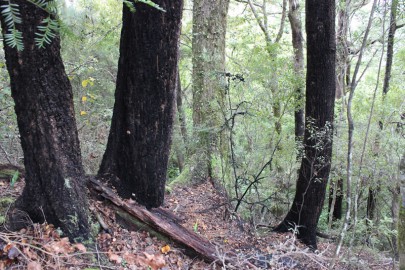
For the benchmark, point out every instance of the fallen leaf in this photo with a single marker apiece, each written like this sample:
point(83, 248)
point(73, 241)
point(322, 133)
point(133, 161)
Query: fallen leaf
point(80, 247)
point(59, 247)
point(154, 261)
point(34, 266)
point(165, 249)
point(31, 255)
point(130, 258)
point(114, 258)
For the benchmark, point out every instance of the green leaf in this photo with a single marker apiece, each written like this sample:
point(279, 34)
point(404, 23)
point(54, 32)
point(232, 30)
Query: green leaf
point(131, 6)
point(46, 32)
point(14, 179)
point(14, 39)
point(12, 17)
point(150, 3)
point(195, 227)
point(11, 14)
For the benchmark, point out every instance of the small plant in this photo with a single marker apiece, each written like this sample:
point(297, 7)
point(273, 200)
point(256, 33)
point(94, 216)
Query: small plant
point(195, 227)
point(14, 178)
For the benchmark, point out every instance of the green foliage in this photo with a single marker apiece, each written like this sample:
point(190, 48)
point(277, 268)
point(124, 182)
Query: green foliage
point(46, 32)
point(12, 17)
point(131, 6)
point(14, 179)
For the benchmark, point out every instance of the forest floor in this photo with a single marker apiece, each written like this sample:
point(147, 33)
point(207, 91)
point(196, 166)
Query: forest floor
point(200, 209)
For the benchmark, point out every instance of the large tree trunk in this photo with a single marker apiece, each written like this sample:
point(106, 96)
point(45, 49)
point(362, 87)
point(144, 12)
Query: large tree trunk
point(294, 15)
point(208, 46)
point(137, 151)
point(320, 99)
point(55, 186)
point(342, 52)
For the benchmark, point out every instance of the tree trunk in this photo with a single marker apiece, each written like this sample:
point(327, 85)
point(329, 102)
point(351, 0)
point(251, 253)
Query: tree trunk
point(55, 182)
point(371, 203)
point(137, 151)
point(320, 99)
point(181, 114)
point(294, 15)
point(336, 199)
point(401, 217)
point(343, 61)
point(395, 206)
point(208, 47)
point(390, 46)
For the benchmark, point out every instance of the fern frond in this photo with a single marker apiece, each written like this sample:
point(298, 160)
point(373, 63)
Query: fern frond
point(11, 14)
point(39, 3)
point(46, 32)
point(12, 17)
point(130, 5)
point(14, 39)
point(49, 6)
point(52, 7)
point(151, 3)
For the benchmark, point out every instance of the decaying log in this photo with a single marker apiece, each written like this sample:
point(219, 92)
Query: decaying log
point(161, 222)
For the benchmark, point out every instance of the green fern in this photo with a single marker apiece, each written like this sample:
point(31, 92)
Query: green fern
point(152, 4)
point(46, 32)
point(14, 39)
point(12, 17)
point(39, 3)
point(11, 14)
point(131, 6)
point(49, 6)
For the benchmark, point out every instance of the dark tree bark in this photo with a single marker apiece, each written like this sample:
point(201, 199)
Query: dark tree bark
point(42, 93)
point(390, 46)
point(319, 106)
point(294, 15)
point(137, 151)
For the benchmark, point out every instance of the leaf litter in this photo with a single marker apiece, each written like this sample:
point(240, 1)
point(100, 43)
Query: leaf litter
point(199, 208)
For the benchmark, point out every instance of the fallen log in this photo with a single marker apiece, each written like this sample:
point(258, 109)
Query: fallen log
point(161, 221)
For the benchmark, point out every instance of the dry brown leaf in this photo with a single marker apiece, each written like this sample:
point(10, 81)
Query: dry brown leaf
point(114, 258)
point(130, 258)
point(31, 255)
point(34, 266)
point(80, 247)
point(154, 261)
point(62, 246)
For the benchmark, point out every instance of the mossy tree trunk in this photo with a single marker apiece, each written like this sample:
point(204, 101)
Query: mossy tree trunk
point(138, 146)
point(209, 83)
point(294, 15)
point(55, 182)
